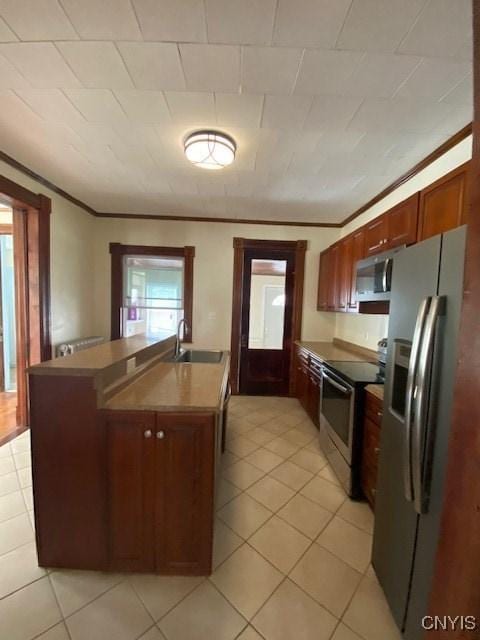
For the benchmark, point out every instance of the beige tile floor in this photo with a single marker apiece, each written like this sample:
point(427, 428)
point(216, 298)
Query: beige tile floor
point(291, 555)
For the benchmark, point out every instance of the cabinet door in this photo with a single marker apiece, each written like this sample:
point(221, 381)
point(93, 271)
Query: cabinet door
point(344, 268)
point(313, 398)
point(323, 278)
point(332, 286)
point(402, 222)
point(444, 204)
point(184, 504)
point(358, 252)
point(376, 235)
point(130, 473)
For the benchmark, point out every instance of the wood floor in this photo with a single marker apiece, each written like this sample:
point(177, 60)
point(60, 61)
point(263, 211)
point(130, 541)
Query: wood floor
point(8, 418)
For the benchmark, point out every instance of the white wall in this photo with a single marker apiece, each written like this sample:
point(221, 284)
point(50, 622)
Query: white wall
point(213, 270)
point(367, 330)
point(72, 262)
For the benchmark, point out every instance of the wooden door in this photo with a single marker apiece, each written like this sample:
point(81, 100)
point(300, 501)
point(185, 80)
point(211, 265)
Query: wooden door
point(131, 489)
point(402, 222)
point(332, 284)
point(184, 477)
point(358, 252)
point(266, 321)
point(376, 235)
point(323, 277)
point(444, 204)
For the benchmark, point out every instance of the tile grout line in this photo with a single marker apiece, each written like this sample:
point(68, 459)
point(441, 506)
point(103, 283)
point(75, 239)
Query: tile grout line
point(312, 542)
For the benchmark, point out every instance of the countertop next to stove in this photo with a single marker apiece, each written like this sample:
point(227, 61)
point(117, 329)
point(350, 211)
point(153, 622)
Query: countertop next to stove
point(338, 350)
point(376, 390)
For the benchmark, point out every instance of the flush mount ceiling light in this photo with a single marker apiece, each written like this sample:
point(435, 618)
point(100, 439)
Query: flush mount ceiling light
point(210, 149)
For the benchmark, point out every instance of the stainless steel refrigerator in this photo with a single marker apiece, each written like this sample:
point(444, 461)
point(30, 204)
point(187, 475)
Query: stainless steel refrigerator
point(424, 320)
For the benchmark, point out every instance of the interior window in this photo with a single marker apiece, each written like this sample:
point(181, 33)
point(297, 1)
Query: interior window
point(154, 299)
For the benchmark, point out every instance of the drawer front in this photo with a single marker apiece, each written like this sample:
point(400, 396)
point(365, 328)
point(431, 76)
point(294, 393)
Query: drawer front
point(373, 409)
point(371, 443)
point(369, 483)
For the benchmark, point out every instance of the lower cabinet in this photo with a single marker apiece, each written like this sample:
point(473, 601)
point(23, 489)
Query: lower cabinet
point(161, 470)
point(307, 383)
point(371, 446)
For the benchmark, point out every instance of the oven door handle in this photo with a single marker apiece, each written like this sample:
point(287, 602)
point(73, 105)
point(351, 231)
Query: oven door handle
point(334, 383)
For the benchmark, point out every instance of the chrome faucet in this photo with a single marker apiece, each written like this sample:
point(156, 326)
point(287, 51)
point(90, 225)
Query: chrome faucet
point(185, 329)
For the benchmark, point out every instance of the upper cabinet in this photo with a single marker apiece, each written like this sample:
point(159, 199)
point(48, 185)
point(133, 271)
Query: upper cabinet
point(402, 223)
point(395, 227)
point(323, 278)
point(436, 209)
point(376, 235)
point(358, 252)
point(333, 277)
point(444, 204)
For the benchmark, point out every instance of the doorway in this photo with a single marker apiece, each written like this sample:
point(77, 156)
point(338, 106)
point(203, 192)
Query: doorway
point(266, 315)
point(8, 345)
point(24, 299)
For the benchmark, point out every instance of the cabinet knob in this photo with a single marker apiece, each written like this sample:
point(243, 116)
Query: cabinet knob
point(147, 433)
point(160, 435)
point(380, 414)
point(377, 451)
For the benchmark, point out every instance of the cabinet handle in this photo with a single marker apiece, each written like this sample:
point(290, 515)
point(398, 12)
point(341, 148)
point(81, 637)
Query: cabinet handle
point(147, 433)
point(380, 414)
point(376, 450)
point(160, 435)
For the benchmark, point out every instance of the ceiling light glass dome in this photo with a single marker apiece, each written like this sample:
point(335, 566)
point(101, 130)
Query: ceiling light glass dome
point(210, 149)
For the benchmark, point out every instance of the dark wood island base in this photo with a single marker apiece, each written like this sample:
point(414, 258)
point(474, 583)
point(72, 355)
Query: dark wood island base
point(125, 457)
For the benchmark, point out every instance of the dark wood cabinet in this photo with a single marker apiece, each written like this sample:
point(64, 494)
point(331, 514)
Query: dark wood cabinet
point(184, 477)
point(437, 208)
point(358, 252)
point(402, 223)
point(444, 204)
point(160, 491)
point(323, 278)
point(344, 268)
point(332, 282)
point(307, 382)
point(376, 235)
point(371, 446)
point(131, 489)
point(392, 229)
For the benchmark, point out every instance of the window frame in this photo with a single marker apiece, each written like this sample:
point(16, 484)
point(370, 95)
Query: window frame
point(119, 250)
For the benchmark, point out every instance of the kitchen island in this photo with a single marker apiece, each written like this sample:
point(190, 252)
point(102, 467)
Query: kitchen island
point(125, 448)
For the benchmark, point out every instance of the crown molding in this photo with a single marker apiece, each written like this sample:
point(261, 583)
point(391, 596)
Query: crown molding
point(423, 164)
point(437, 153)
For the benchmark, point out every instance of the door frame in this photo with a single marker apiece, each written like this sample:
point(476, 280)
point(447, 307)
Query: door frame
point(455, 589)
point(119, 250)
point(240, 245)
point(31, 241)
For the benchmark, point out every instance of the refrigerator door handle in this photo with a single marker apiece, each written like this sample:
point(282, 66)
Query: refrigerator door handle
point(411, 396)
point(385, 275)
point(420, 419)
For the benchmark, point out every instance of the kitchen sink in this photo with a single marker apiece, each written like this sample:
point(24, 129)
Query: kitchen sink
point(194, 355)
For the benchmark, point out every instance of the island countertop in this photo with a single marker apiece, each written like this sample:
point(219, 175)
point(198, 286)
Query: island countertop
point(95, 359)
point(170, 386)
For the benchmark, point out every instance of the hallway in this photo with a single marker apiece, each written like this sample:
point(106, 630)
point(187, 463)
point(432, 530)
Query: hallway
point(8, 418)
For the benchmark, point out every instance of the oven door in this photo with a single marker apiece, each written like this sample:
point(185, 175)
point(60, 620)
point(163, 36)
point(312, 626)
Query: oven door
point(336, 411)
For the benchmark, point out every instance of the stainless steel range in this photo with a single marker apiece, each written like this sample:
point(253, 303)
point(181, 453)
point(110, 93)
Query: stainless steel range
point(341, 417)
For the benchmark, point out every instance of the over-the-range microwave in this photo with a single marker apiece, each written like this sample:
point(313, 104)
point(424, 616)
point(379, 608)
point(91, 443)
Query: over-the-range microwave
point(374, 276)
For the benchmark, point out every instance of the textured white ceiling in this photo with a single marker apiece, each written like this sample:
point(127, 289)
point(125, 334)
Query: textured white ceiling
point(328, 100)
